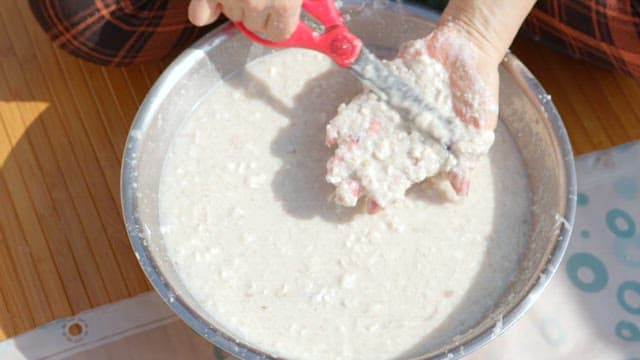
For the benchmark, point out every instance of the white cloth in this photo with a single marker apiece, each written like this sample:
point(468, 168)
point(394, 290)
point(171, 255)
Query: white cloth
point(591, 308)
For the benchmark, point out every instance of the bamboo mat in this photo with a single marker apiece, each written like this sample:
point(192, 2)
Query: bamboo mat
point(63, 124)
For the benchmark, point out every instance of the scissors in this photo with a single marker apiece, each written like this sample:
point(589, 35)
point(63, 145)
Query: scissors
point(348, 51)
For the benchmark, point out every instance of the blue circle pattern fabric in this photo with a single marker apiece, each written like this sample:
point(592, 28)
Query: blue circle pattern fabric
point(591, 308)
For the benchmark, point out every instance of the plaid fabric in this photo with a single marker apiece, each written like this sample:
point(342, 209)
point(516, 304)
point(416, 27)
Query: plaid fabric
point(434, 4)
point(117, 32)
point(604, 32)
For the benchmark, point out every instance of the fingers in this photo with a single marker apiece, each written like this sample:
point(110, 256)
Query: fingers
point(460, 175)
point(372, 207)
point(256, 21)
point(275, 20)
point(233, 9)
point(283, 20)
point(459, 182)
point(204, 12)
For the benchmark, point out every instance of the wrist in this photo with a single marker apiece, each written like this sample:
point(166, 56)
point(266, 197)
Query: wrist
point(490, 25)
point(472, 21)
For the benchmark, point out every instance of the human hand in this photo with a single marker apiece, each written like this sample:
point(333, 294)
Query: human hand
point(379, 159)
point(471, 41)
point(276, 19)
point(474, 83)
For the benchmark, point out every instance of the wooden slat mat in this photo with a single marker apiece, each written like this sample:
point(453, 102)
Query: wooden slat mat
point(63, 246)
point(63, 123)
point(600, 108)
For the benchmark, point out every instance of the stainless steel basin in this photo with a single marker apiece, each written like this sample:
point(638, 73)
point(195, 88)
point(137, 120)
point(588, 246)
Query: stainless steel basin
point(525, 109)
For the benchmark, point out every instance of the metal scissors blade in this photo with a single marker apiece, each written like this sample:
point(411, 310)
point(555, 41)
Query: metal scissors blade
point(397, 92)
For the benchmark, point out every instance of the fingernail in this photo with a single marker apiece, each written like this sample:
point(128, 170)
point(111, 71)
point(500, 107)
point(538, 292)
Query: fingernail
point(460, 184)
point(373, 207)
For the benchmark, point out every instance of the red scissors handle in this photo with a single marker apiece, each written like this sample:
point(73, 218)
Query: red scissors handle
point(337, 41)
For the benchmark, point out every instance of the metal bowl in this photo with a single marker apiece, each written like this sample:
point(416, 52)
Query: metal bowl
point(525, 109)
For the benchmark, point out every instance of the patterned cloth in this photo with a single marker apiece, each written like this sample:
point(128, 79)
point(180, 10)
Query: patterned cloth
point(590, 310)
point(121, 32)
point(604, 32)
point(117, 32)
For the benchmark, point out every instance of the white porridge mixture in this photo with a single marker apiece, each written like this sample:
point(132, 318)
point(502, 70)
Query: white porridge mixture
point(251, 226)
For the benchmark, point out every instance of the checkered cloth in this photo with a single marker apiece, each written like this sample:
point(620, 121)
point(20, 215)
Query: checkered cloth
point(121, 32)
point(604, 32)
point(117, 32)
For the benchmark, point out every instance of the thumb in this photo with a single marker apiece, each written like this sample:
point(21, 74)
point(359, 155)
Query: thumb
point(204, 12)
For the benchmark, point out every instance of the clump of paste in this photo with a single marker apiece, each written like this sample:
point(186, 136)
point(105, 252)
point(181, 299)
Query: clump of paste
point(379, 155)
